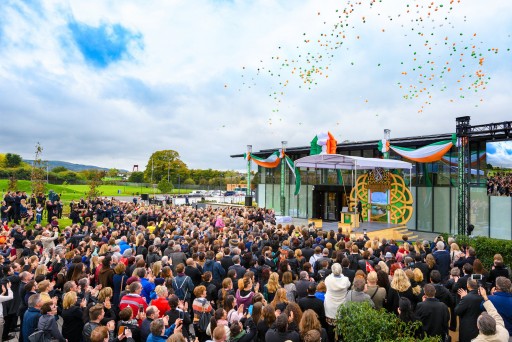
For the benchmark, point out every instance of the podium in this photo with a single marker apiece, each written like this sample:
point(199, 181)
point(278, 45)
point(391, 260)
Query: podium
point(349, 221)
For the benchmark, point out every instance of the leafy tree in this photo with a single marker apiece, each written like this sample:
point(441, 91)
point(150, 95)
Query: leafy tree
point(203, 181)
point(92, 174)
point(162, 162)
point(189, 181)
point(136, 177)
point(59, 169)
point(112, 173)
point(164, 186)
point(94, 183)
point(37, 176)
point(12, 160)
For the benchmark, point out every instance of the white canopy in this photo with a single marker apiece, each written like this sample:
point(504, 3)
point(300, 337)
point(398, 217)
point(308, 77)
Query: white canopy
point(339, 162)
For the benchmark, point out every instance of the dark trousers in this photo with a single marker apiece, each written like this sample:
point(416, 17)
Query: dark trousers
point(9, 325)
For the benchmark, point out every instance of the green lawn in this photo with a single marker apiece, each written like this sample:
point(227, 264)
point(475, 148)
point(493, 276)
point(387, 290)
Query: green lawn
point(75, 192)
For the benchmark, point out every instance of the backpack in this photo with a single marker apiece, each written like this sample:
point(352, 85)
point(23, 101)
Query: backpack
point(204, 320)
point(178, 290)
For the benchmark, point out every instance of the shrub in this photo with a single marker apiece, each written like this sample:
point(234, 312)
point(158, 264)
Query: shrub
point(359, 322)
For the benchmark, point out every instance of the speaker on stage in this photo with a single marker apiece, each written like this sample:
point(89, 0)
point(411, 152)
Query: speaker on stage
point(248, 201)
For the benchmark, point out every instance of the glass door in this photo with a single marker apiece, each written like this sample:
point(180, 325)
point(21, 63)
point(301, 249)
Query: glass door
point(330, 206)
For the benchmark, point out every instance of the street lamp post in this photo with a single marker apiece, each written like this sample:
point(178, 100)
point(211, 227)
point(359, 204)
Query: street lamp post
point(283, 169)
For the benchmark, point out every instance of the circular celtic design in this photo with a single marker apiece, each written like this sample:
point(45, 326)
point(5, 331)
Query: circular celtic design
point(400, 207)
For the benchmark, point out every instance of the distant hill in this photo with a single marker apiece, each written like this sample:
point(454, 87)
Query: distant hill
point(71, 166)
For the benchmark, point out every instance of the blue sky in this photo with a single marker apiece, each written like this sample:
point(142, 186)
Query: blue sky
point(109, 82)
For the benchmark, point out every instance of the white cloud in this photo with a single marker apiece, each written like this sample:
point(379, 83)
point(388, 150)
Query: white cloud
point(184, 90)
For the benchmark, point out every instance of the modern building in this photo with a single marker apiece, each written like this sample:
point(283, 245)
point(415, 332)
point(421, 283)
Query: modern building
point(434, 187)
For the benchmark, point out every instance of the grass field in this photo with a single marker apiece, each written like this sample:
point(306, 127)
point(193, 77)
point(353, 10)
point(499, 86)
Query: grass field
point(75, 192)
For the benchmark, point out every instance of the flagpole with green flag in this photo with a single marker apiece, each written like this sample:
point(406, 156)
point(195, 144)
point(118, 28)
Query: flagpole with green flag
point(283, 169)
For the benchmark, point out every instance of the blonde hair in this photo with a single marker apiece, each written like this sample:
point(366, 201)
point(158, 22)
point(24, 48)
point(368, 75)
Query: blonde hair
point(103, 249)
point(280, 297)
point(273, 282)
point(105, 293)
point(41, 270)
point(157, 268)
point(69, 300)
point(160, 290)
point(383, 266)
point(372, 277)
point(95, 261)
point(418, 275)
point(454, 247)
point(400, 281)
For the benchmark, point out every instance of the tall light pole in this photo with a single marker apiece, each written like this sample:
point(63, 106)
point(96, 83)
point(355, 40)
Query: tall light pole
point(283, 169)
point(248, 193)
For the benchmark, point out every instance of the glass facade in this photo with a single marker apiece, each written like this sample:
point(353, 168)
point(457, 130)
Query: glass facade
point(433, 187)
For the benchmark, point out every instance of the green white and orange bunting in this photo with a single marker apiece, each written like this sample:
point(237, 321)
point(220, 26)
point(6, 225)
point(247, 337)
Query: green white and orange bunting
point(273, 161)
point(270, 162)
point(426, 154)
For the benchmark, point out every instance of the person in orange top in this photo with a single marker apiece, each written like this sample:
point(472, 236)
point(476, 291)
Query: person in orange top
point(161, 302)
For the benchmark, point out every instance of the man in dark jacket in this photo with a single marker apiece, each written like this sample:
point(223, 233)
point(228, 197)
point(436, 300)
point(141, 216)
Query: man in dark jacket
point(31, 317)
point(442, 260)
point(442, 293)
point(468, 311)
point(281, 333)
point(239, 269)
point(226, 261)
point(433, 314)
point(218, 272)
point(193, 272)
point(302, 285)
point(313, 303)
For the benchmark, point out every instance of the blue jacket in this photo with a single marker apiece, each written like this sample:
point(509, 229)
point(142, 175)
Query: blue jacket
point(168, 332)
point(502, 301)
point(147, 287)
point(30, 321)
point(217, 270)
point(123, 245)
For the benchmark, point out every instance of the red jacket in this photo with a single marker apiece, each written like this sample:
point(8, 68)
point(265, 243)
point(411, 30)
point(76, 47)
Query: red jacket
point(134, 301)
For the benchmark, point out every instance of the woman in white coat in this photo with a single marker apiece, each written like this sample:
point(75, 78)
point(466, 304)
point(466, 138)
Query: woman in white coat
point(337, 287)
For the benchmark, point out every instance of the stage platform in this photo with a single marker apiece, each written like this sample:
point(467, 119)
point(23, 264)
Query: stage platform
point(374, 229)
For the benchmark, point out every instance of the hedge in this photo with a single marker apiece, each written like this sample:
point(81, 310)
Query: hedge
point(359, 322)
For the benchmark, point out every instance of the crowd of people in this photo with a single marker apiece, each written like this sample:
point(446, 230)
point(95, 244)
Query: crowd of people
point(130, 271)
point(500, 185)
